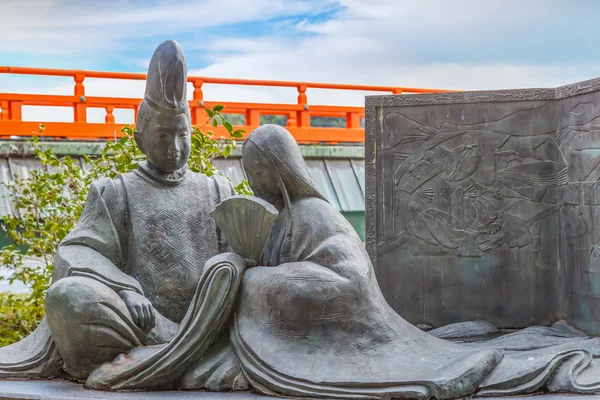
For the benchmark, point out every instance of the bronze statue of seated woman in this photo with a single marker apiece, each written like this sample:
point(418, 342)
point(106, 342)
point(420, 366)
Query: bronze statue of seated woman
point(311, 320)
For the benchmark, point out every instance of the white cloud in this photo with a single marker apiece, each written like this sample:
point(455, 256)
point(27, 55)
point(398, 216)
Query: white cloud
point(71, 26)
point(429, 43)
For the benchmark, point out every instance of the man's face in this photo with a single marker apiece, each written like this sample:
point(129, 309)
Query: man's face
point(167, 141)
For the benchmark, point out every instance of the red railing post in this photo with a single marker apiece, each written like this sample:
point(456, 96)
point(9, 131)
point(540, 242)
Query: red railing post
point(80, 108)
point(5, 112)
point(252, 117)
point(291, 121)
point(303, 116)
point(198, 103)
point(15, 111)
point(352, 120)
point(109, 118)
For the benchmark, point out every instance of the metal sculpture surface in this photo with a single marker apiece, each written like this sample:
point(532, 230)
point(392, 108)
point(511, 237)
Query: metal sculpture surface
point(312, 321)
point(148, 295)
point(135, 274)
point(485, 205)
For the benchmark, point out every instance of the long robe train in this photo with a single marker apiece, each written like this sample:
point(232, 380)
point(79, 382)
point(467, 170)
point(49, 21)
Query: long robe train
point(557, 358)
point(33, 357)
point(316, 324)
point(202, 327)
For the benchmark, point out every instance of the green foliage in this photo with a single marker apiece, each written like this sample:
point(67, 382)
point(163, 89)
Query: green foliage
point(327, 122)
point(240, 119)
point(49, 203)
point(18, 317)
point(274, 119)
point(235, 119)
point(317, 122)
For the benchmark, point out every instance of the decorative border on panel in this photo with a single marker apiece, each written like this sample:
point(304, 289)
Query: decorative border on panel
point(371, 180)
point(460, 97)
point(578, 88)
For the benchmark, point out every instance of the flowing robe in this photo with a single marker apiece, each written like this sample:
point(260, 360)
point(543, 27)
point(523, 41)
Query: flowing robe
point(136, 233)
point(314, 323)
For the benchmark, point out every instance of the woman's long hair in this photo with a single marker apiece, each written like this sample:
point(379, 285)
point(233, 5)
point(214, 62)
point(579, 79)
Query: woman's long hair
point(279, 148)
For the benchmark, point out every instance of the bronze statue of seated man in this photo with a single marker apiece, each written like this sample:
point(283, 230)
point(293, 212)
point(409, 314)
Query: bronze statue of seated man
point(126, 276)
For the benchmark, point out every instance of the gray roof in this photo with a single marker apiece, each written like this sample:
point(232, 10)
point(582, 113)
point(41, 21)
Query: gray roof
point(341, 181)
point(338, 171)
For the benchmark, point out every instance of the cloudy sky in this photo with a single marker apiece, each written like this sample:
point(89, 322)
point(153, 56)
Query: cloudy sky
point(461, 44)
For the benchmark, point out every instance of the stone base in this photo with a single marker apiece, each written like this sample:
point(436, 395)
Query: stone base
point(65, 390)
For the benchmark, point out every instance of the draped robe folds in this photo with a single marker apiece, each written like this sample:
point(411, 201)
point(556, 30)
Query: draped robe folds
point(314, 323)
point(152, 237)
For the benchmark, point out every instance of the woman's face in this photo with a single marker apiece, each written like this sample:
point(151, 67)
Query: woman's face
point(263, 179)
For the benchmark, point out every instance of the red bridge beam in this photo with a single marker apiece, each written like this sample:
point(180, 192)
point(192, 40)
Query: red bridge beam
point(11, 123)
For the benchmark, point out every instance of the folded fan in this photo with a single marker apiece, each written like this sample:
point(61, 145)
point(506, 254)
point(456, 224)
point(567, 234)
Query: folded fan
point(246, 222)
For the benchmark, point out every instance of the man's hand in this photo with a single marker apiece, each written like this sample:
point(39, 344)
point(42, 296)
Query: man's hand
point(140, 308)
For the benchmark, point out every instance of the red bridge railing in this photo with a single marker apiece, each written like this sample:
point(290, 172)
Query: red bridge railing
point(298, 115)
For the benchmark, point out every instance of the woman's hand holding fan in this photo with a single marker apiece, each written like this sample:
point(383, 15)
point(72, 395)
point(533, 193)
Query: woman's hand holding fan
point(246, 222)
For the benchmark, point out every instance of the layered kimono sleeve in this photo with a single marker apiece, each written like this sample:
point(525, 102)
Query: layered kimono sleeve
point(318, 237)
point(97, 247)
